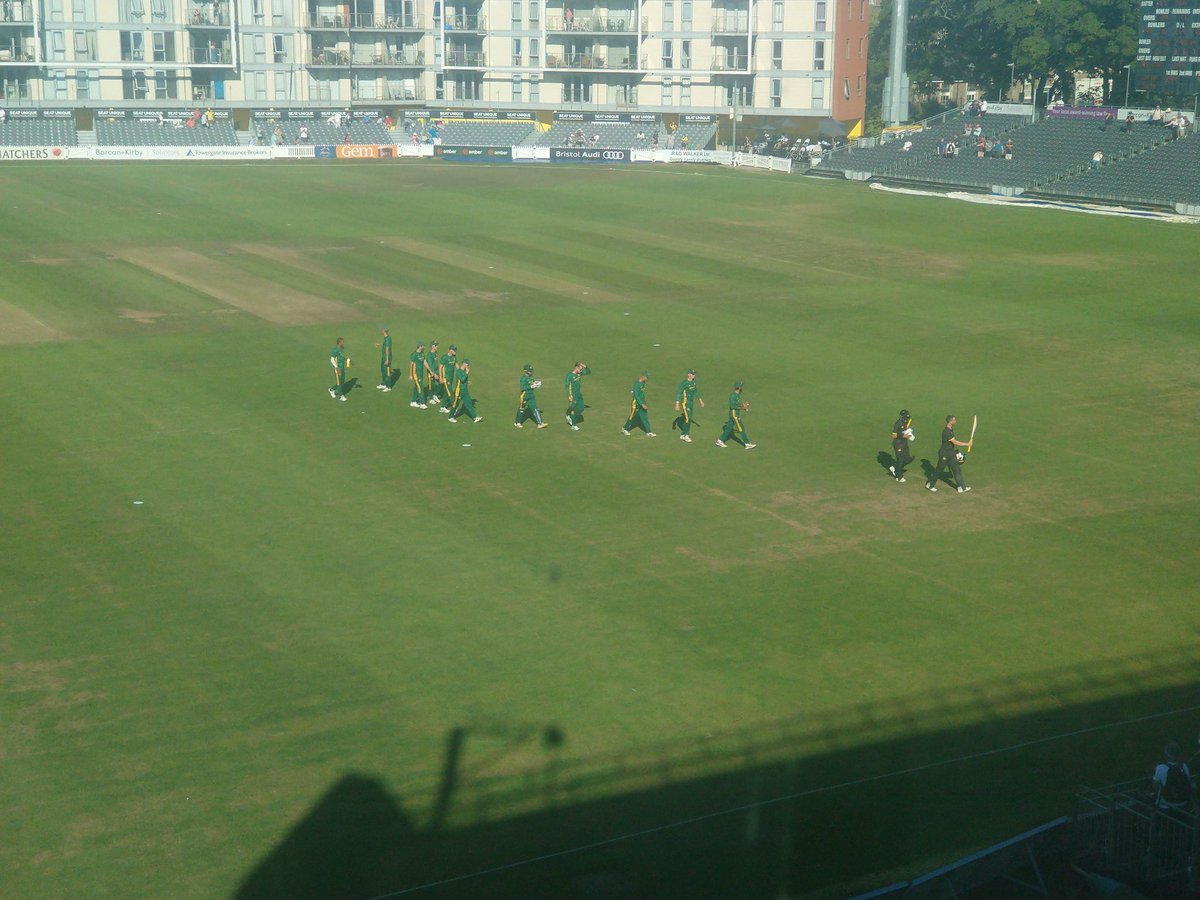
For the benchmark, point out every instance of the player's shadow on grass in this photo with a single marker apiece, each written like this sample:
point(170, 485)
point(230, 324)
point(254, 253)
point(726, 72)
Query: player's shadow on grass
point(886, 461)
point(928, 468)
point(350, 386)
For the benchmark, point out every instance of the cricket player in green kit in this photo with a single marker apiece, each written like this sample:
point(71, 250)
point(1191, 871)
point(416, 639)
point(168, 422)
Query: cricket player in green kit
point(527, 407)
point(685, 400)
point(462, 402)
point(339, 361)
point(735, 425)
point(575, 405)
point(639, 412)
point(433, 384)
point(447, 375)
point(416, 369)
point(385, 362)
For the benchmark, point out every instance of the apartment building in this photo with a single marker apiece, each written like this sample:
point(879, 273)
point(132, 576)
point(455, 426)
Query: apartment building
point(763, 57)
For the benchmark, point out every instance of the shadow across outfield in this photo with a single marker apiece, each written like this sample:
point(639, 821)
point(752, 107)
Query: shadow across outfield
point(802, 806)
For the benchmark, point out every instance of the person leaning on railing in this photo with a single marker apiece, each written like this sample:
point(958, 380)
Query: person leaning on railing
point(1172, 783)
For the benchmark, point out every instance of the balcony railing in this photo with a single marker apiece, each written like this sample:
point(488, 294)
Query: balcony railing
point(16, 13)
point(729, 26)
point(210, 56)
point(17, 55)
point(468, 58)
point(202, 17)
point(337, 23)
point(731, 64)
point(613, 22)
point(391, 59)
point(400, 93)
point(387, 23)
point(327, 57)
point(591, 61)
point(466, 23)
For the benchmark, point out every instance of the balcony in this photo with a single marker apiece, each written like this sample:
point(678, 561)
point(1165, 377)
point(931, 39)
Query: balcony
point(328, 59)
point(611, 24)
point(23, 55)
point(731, 25)
point(466, 59)
point(598, 62)
point(402, 94)
point(366, 21)
point(731, 63)
point(202, 17)
point(210, 56)
point(17, 14)
point(468, 24)
point(394, 60)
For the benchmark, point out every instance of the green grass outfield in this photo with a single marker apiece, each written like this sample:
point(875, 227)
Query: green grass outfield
point(337, 649)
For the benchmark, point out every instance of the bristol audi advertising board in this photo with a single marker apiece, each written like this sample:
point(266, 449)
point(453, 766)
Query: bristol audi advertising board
point(588, 155)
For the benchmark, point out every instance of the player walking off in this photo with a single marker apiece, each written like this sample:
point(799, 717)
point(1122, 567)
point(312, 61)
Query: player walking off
point(416, 368)
point(639, 412)
point(901, 434)
point(685, 400)
point(463, 402)
point(735, 427)
point(948, 457)
point(385, 362)
point(527, 407)
point(339, 361)
point(433, 385)
point(575, 405)
point(448, 375)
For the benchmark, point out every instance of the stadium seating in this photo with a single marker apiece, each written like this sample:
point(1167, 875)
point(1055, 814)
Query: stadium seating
point(39, 133)
point(888, 157)
point(699, 135)
point(484, 133)
point(321, 132)
point(612, 134)
point(1045, 151)
point(130, 133)
point(1161, 175)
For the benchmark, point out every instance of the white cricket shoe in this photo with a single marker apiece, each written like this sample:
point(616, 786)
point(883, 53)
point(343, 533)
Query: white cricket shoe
point(342, 398)
point(542, 425)
point(574, 427)
point(422, 406)
point(687, 438)
point(380, 387)
point(720, 443)
point(651, 434)
point(477, 419)
point(517, 425)
point(624, 432)
point(445, 409)
point(453, 420)
point(930, 487)
point(751, 446)
point(569, 422)
point(333, 393)
point(963, 490)
point(386, 389)
point(892, 469)
point(414, 404)
point(902, 479)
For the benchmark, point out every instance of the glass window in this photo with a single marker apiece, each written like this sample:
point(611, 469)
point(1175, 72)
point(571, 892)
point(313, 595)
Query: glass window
point(535, 16)
point(685, 54)
point(535, 52)
point(862, 10)
point(846, 88)
point(668, 14)
point(516, 14)
point(685, 18)
point(776, 54)
point(260, 85)
point(685, 92)
point(81, 48)
point(516, 51)
point(280, 54)
point(847, 48)
point(137, 10)
point(83, 85)
point(158, 10)
point(860, 48)
point(776, 93)
point(859, 85)
point(56, 10)
point(160, 85)
point(516, 88)
point(777, 15)
point(819, 25)
point(60, 85)
point(535, 89)
point(256, 11)
point(281, 86)
point(667, 62)
point(260, 51)
point(139, 86)
point(158, 43)
point(58, 45)
point(666, 92)
point(819, 55)
point(818, 92)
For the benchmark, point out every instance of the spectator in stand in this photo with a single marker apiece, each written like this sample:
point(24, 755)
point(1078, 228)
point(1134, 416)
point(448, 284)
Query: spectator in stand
point(1181, 126)
point(1109, 118)
point(1008, 149)
point(3, 116)
point(568, 16)
point(1097, 158)
point(387, 123)
point(258, 134)
point(654, 141)
point(1156, 115)
point(208, 117)
point(277, 135)
point(981, 147)
point(346, 139)
point(1172, 782)
point(998, 149)
point(977, 130)
point(983, 107)
point(596, 139)
point(162, 119)
point(941, 147)
point(1129, 123)
point(951, 150)
point(303, 139)
point(907, 147)
point(683, 142)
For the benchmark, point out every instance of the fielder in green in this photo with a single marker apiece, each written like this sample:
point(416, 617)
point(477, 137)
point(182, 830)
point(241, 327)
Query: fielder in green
point(736, 427)
point(447, 375)
point(575, 404)
point(527, 407)
point(463, 402)
point(685, 400)
point(416, 369)
point(385, 362)
point(639, 412)
point(430, 374)
point(339, 361)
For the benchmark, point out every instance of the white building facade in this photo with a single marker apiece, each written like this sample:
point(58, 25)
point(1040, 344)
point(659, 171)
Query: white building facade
point(767, 57)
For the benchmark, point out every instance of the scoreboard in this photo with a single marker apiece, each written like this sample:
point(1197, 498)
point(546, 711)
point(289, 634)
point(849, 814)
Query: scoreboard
point(1168, 56)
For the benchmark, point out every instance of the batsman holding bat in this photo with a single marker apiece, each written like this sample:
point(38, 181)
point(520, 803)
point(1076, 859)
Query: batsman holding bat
point(902, 433)
point(949, 457)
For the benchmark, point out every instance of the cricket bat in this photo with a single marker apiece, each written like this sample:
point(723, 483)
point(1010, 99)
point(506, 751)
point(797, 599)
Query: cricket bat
point(974, 425)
